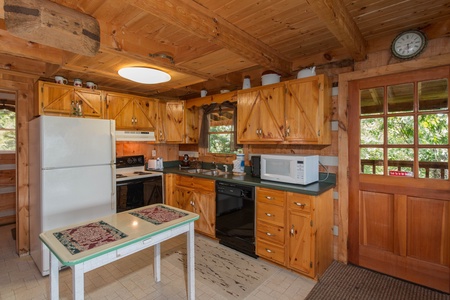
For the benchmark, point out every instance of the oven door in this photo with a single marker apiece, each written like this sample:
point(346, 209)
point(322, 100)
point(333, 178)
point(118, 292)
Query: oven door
point(138, 192)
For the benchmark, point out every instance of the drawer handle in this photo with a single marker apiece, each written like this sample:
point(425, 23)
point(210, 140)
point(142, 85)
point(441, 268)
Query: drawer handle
point(292, 230)
point(269, 215)
point(269, 251)
point(269, 198)
point(300, 204)
point(270, 234)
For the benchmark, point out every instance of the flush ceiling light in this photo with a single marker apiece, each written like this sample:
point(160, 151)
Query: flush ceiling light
point(144, 75)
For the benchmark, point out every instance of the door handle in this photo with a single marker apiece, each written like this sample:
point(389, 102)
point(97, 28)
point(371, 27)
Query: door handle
point(300, 204)
point(269, 215)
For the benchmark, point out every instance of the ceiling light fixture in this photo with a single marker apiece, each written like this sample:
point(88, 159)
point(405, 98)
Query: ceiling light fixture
point(144, 75)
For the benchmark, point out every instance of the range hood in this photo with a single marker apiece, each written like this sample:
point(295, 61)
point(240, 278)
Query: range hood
point(135, 136)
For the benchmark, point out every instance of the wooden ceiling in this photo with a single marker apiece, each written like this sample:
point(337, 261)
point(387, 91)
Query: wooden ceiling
point(213, 44)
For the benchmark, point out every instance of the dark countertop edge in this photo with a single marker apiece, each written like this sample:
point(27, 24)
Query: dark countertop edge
point(314, 189)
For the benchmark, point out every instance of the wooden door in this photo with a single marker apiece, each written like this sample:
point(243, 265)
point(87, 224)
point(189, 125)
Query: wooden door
point(173, 122)
point(308, 111)
point(192, 125)
point(205, 207)
point(399, 212)
point(261, 114)
point(145, 111)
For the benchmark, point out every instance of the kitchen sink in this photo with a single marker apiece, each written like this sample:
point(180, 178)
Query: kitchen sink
point(211, 172)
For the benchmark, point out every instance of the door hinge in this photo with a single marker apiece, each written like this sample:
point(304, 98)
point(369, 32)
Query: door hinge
point(310, 264)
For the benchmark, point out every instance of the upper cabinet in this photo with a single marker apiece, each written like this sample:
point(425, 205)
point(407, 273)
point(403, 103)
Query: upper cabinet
point(192, 133)
point(307, 105)
point(66, 100)
point(290, 112)
point(132, 112)
point(260, 114)
point(171, 122)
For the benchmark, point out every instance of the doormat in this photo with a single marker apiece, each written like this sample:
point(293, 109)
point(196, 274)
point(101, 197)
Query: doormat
point(235, 275)
point(88, 236)
point(341, 281)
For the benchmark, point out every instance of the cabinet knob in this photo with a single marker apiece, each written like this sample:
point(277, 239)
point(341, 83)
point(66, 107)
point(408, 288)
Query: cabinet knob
point(269, 234)
point(292, 231)
point(300, 204)
point(268, 250)
point(269, 215)
point(288, 131)
point(269, 198)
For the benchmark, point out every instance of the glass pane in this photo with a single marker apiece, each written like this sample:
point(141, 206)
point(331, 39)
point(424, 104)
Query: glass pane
point(372, 131)
point(221, 117)
point(372, 161)
point(433, 129)
point(400, 98)
point(220, 143)
point(401, 162)
point(7, 140)
point(433, 95)
point(433, 163)
point(400, 130)
point(372, 101)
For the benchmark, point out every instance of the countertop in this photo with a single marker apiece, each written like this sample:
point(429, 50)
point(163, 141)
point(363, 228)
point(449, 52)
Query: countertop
point(325, 183)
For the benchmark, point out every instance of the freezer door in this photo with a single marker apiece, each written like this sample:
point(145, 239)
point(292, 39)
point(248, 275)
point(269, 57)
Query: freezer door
point(69, 142)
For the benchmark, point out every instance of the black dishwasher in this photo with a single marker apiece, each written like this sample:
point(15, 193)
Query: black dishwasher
point(235, 216)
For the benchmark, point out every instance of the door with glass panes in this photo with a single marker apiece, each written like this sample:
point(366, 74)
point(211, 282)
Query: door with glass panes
point(399, 188)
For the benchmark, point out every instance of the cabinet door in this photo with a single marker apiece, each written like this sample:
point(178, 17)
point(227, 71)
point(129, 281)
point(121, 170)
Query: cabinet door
point(205, 207)
point(261, 114)
point(171, 122)
point(56, 99)
point(183, 198)
point(301, 243)
point(308, 111)
point(132, 112)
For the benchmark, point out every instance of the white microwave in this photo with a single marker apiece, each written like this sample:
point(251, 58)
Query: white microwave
point(288, 168)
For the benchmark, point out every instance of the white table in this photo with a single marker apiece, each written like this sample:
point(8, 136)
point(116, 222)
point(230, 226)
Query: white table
point(141, 234)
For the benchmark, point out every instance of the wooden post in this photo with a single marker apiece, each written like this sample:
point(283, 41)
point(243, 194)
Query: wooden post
point(51, 24)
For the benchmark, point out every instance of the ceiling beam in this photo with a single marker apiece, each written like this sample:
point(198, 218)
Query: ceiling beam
point(339, 21)
point(197, 20)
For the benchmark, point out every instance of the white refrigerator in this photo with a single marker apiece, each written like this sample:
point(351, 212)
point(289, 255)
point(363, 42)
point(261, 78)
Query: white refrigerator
point(72, 175)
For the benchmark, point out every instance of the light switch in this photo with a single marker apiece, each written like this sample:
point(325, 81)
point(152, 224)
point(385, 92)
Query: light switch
point(153, 153)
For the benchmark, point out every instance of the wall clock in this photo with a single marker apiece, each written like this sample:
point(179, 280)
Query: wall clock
point(408, 44)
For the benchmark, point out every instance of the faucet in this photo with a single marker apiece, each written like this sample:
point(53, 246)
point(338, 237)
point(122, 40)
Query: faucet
point(225, 167)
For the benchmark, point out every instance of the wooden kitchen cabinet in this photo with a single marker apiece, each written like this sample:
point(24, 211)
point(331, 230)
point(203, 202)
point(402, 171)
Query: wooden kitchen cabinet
point(271, 224)
point(196, 195)
point(132, 112)
point(308, 111)
point(310, 238)
point(260, 114)
point(56, 99)
point(171, 122)
point(295, 230)
point(192, 132)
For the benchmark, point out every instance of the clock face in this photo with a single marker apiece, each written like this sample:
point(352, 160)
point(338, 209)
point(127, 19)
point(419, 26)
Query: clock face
point(408, 44)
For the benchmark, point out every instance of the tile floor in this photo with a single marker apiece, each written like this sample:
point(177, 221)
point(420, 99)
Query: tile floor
point(128, 278)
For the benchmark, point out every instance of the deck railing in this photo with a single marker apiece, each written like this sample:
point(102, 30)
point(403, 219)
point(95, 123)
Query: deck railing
point(438, 170)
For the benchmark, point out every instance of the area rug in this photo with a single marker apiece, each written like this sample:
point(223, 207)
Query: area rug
point(342, 281)
point(158, 214)
point(88, 236)
point(234, 274)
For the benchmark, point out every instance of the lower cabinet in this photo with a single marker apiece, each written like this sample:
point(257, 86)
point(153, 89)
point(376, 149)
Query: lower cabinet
point(196, 195)
point(295, 230)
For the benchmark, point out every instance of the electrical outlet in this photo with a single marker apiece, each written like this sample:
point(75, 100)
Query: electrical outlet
point(335, 230)
point(153, 153)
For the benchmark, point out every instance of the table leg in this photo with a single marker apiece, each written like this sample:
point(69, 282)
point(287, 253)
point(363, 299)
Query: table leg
point(191, 261)
point(78, 281)
point(54, 279)
point(157, 262)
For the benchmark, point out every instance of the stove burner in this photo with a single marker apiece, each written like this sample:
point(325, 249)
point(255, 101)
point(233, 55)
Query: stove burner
point(141, 173)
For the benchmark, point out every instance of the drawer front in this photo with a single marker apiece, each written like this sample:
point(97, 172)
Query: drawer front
point(270, 233)
point(270, 251)
point(195, 182)
point(270, 213)
point(299, 202)
point(270, 196)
